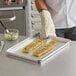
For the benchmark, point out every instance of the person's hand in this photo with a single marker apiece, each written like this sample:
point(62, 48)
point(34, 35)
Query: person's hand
point(48, 28)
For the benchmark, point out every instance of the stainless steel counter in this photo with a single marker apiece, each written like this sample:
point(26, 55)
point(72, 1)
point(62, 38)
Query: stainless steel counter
point(63, 64)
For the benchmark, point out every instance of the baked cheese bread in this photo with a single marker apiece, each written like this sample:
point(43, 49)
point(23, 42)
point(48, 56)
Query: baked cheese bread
point(45, 49)
point(32, 46)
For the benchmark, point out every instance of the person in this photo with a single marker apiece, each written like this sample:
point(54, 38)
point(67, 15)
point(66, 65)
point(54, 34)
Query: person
point(63, 15)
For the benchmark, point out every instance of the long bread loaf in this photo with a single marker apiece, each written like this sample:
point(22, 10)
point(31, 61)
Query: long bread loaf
point(32, 46)
point(51, 45)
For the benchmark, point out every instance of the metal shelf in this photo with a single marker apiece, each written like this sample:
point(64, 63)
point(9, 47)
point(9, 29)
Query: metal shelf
point(12, 8)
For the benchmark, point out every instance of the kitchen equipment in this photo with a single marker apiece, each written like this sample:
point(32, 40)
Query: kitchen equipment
point(16, 50)
point(33, 20)
point(13, 15)
point(10, 34)
point(9, 2)
point(13, 34)
point(4, 27)
point(8, 19)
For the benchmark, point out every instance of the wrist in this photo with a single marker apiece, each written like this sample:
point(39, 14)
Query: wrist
point(43, 10)
point(40, 4)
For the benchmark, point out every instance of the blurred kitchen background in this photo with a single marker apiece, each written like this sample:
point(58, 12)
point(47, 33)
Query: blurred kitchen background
point(21, 15)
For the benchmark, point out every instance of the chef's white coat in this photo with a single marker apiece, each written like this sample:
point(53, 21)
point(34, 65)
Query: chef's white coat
point(63, 12)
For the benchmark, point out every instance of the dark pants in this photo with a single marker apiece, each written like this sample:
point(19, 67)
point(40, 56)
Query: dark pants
point(69, 33)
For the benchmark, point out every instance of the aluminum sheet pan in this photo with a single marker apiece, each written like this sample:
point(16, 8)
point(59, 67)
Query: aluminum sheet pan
point(16, 50)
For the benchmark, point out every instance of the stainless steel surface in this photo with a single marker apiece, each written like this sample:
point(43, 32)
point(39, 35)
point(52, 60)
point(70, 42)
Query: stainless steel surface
point(26, 20)
point(1, 45)
point(63, 64)
point(18, 23)
point(9, 8)
point(13, 15)
point(33, 21)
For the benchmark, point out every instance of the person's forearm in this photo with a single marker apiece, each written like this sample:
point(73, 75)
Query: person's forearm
point(48, 28)
point(40, 5)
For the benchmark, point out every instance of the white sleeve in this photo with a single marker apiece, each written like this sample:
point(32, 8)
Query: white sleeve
point(55, 5)
point(48, 28)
